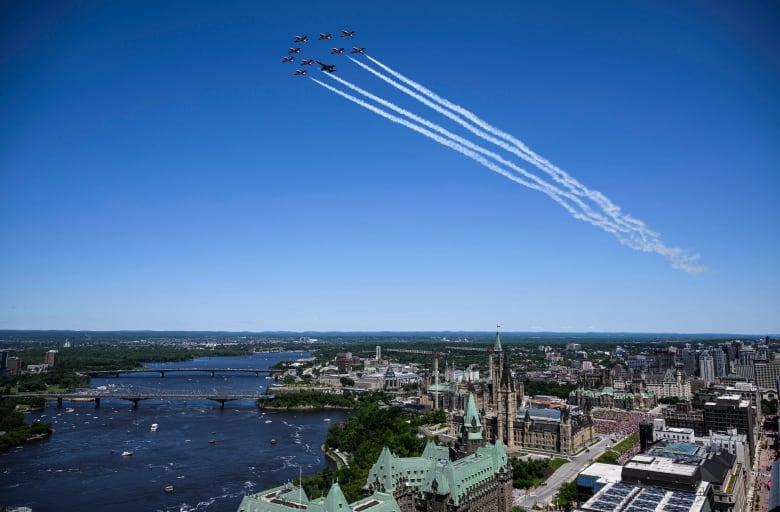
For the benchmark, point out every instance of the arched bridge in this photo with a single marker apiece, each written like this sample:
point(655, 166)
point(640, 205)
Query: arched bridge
point(163, 371)
point(137, 396)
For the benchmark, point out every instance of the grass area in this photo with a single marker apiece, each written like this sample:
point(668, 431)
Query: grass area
point(626, 443)
point(557, 463)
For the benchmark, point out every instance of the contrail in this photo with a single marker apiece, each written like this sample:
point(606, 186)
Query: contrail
point(594, 217)
point(456, 147)
point(638, 236)
point(618, 219)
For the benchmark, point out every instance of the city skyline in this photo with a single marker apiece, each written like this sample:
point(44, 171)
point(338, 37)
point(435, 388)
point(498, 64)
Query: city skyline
point(163, 169)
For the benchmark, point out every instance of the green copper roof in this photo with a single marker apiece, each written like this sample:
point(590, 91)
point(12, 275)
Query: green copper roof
point(497, 346)
point(456, 478)
point(285, 498)
point(471, 418)
point(335, 501)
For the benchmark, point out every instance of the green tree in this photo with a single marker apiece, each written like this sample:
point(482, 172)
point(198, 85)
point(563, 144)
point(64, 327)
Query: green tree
point(567, 494)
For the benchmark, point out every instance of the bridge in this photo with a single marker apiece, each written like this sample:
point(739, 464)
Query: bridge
point(163, 371)
point(137, 396)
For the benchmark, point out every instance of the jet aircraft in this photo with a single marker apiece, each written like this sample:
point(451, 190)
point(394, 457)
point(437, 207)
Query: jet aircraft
point(294, 50)
point(301, 39)
point(330, 68)
point(355, 49)
point(324, 36)
point(347, 33)
point(307, 62)
point(288, 59)
point(336, 51)
point(300, 72)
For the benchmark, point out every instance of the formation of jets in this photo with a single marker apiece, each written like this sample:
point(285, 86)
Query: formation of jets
point(328, 68)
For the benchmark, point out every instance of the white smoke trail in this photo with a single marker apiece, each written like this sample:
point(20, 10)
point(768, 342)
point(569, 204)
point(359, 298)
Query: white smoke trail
point(594, 217)
point(456, 147)
point(531, 158)
point(637, 235)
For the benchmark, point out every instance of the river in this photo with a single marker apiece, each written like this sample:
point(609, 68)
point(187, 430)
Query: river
point(211, 456)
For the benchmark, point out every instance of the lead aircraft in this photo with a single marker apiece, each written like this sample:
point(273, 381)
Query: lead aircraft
point(330, 68)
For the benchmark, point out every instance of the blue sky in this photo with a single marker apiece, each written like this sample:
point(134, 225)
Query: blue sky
point(161, 168)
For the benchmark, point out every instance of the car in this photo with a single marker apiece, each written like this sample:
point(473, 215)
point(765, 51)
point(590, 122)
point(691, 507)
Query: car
point(544, 483)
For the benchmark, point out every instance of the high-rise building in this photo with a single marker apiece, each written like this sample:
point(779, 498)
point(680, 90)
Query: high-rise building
point(719, 358)
point(766, 372)
point(51, 358)
point(706, 366)
point(729, 412)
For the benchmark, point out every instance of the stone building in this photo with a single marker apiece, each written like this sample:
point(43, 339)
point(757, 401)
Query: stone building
point(495, 407)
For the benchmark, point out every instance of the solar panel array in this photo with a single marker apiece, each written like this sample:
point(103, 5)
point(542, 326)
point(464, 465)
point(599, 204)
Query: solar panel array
point(680, 502)
point(613, 497)
point(653, 499)
point(646, 501)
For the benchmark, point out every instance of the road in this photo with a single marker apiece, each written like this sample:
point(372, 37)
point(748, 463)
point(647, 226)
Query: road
point(544, 494)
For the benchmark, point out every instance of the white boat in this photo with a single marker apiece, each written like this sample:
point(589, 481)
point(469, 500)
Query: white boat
point(126, 454)
point(169, 489)
point(268, 421)
point(154, 427)
point(326, 419)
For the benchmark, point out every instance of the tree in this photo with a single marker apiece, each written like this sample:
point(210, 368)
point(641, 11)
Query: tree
point(567, 494)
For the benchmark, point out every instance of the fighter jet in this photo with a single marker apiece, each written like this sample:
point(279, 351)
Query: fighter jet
point(307, 62)
point(300, 72)
point(324, 36)
point(347, 33)
point(355, 49)
point(330, 68)
point(288, 59)
point(294, 50)
point(301, 39)
point(336, 51)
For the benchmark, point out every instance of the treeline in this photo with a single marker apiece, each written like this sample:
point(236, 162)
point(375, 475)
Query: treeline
point(371, 426)
point(58, 379)
point(313, 399)
point(111, 357)
point(550, 388)
point(14, 430)
point(532, 472)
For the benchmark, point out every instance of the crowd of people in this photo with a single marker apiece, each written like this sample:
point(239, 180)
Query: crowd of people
point(618, 423)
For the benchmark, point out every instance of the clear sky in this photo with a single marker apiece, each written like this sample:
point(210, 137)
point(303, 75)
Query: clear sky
point(161, 168)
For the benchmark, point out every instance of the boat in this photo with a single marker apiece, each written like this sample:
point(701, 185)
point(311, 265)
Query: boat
point(180, 477)
point(154, 427)
point(212, 441)
point(273, 441)
point(268, 421)
point(326, 419)
point(126, 454)
point(168, 489)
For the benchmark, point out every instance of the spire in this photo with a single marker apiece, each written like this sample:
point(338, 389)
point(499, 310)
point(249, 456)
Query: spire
point(497, 346)
point(335, 500)
point(471, 418)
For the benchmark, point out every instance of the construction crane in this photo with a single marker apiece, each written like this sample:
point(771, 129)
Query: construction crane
point(487, 350)
point(472, 349)
point(435, 355)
